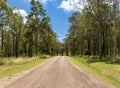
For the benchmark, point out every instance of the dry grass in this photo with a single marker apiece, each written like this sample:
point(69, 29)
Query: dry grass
point(13, 66)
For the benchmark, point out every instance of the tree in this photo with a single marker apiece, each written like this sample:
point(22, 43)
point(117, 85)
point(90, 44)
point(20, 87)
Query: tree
point(4, 6)
point(94, 29)
point(34, 19)
point(4, 11)
point(33, 37)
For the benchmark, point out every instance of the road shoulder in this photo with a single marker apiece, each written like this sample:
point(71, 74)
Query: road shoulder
point(11, 79)
point(95, 78)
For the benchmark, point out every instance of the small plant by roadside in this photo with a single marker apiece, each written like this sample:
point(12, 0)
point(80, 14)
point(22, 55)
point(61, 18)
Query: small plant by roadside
point(2, 62)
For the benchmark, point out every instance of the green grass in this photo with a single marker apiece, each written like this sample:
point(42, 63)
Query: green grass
point(108, 72)
point(19, 68)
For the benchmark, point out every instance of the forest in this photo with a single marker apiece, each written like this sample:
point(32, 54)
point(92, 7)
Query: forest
point(19, 38)
point(95, 30)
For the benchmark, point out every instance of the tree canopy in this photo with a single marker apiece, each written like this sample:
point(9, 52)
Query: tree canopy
point(35, 37)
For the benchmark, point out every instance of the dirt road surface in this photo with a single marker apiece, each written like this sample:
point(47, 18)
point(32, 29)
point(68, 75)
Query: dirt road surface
point(58, 73)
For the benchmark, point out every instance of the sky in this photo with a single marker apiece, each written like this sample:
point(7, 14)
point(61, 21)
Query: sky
point(58, 10)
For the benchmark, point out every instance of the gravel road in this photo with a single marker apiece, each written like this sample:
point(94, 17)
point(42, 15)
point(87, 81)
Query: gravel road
point(58, 73)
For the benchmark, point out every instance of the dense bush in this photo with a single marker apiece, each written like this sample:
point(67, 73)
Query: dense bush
point(87, 53)
point(2, 62)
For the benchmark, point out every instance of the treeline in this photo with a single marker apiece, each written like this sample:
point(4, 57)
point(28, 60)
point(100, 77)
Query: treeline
point(18, 38)
point(95, 30)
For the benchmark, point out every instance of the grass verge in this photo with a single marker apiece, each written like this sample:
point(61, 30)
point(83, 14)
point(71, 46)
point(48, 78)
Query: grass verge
point(108, 72)
point(19, 68)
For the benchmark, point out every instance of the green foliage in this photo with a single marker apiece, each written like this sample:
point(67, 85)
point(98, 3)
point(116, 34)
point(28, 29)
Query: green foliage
point(2, 62)
point(4, 6)
point(32, 38)
point(95, 30)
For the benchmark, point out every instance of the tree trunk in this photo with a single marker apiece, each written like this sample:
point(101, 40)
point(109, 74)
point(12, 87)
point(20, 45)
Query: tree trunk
point(13, 46)
point(36, 41)
point(66, 49)
point(114, 28)
point(16, 47)
point(30, 47)
point(99, 29)
point(2, 42)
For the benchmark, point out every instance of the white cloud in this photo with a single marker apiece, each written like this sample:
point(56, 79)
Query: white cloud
point(22, 13)
point(42, 1)
point(72, 5)
point(45, 1)
point(66, 6)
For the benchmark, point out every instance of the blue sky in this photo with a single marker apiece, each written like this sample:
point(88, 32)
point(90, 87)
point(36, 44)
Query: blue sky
point(58, 10)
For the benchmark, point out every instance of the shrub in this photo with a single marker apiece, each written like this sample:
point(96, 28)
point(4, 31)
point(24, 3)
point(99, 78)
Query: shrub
point(10, 62)
point(2, 62)
point(87, 53)
point(91, 59)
